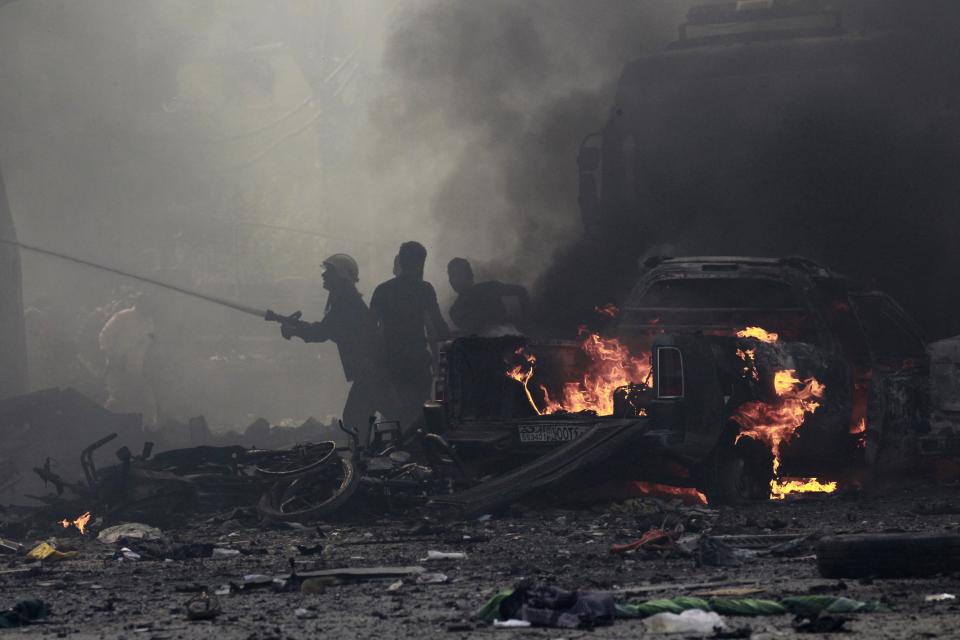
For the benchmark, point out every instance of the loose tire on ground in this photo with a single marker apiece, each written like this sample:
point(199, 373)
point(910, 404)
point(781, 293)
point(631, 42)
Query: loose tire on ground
point(888, 555)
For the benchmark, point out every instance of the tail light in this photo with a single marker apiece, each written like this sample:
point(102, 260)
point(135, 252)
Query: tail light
point(669, 373)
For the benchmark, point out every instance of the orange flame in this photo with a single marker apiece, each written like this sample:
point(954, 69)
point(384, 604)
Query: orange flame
point(777, 423)
point(608, 309)
point(80, 523)
point(860, 430)
point(799, 485)
point(611, 366)
point(686, 494)
point(749, 357)
point(522, 374)
point(760, 334)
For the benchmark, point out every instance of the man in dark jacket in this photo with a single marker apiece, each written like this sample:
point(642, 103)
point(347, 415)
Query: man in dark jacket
point(407, 316)
point(479, 308)
point(348, 324)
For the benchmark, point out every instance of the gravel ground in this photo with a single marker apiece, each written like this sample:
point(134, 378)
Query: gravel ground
point(96, 596)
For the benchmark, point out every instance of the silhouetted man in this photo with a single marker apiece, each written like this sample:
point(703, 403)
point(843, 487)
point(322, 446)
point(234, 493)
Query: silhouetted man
point(348, 324)
point(479, 308)
point(407, 315)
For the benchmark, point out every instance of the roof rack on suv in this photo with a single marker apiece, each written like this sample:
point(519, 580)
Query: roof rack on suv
point(800, 262)
point(751, 20)
point(653, 261)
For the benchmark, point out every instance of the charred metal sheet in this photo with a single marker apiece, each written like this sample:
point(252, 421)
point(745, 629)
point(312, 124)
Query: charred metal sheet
point(600, 444)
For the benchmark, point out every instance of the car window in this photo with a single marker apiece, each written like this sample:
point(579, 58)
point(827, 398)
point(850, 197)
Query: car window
point(718, 293)
point(887, 331)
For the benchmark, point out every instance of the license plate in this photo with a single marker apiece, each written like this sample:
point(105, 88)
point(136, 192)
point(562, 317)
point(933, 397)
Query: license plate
point(551, 432)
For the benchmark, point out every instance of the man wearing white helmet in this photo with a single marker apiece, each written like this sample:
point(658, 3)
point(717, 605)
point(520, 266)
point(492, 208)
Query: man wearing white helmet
point(347, 323)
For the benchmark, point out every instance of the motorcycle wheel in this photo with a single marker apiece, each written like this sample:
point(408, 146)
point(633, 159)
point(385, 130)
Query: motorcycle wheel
point(311, 495)
point(298, 460)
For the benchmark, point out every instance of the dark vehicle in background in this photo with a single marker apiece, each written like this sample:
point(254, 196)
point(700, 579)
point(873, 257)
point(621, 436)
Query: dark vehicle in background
point(678, 426)
point(755, 105)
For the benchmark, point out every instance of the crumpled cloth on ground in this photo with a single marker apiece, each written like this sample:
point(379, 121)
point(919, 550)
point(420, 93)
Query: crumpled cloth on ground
point(803, 606)
point(24, 612)
point(510, 603)
point(545, 606)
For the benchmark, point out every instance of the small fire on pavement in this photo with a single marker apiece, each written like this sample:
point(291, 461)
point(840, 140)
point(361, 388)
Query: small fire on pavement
point(80, 522)
point(687, 495)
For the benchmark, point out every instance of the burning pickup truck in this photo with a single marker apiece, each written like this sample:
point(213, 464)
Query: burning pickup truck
point(744, 378)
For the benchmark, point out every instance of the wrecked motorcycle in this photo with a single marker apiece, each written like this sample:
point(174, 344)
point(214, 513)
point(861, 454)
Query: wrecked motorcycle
point(390, 466)
point(205, 477)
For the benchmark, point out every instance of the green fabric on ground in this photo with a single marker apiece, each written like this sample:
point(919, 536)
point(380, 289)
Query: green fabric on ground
point(663, 605)
point(491, 610)
point(747, 607)
point(805, 606)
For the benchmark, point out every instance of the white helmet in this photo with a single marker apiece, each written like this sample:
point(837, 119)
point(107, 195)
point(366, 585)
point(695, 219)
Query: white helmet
point(345, 266)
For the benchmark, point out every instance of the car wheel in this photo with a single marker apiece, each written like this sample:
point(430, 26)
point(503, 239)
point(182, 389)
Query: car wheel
point(738, 472)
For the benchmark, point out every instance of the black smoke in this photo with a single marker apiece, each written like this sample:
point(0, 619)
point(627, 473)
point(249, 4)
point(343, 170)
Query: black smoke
point(862, 178)
point(504, 92)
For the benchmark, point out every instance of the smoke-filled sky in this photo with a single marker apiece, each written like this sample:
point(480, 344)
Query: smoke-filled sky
point(230, 145)
point(151, 125)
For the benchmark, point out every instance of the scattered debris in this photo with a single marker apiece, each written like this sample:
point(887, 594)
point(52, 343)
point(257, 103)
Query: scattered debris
point(822, 623)
point(712, 552)
point(940, 597)
point(47, 551)
point(130, 531)
point(9, 546)
point(692, 621)
point(656, 540)
point(511, 624)
point(126, 554)
point(432, 578)
point(443, 555)
point(304, 614)
point(203, 607)
point(309, 551)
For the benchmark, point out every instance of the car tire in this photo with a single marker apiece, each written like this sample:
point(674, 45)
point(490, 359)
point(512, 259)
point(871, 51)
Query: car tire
point(738, 472)
point(888, 555)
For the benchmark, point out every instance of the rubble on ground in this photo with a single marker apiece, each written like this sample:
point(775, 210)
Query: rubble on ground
point(228, 574)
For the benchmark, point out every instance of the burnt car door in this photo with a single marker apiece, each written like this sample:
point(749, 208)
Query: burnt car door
point(896, 406)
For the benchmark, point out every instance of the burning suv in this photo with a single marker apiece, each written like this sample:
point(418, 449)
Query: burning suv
point(744, 378)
